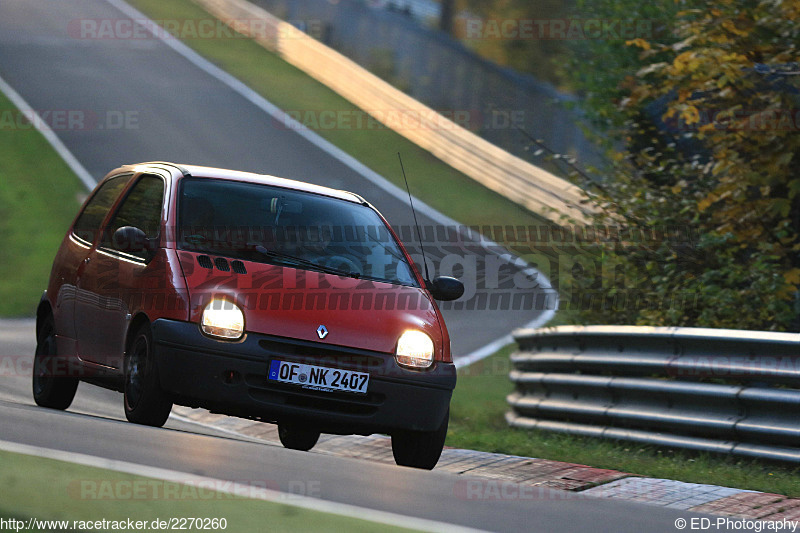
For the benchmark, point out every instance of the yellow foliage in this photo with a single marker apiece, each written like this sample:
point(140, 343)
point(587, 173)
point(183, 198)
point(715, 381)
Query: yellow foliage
point(704, 204)
point(641, 43)
point(724, 159)
point(681, 61)
point(792, 276)
point(731, 27)
point(690, 115)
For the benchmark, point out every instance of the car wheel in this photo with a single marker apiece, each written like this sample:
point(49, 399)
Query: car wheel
point(420, 449)
point(50, 390)
point(297, 438)
point(145, 402)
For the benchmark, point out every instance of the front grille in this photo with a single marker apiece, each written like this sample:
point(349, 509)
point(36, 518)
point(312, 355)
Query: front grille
point(326, 355)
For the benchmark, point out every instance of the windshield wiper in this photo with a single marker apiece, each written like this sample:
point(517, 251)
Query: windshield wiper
point(306, 263)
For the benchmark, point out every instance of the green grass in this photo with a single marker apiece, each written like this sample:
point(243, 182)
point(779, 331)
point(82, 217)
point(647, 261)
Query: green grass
point(477, 422)
point(56, 490)
point(439, 185)
point(39, 196)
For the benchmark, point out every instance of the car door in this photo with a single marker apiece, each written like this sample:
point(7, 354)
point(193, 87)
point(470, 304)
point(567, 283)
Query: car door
point(115, 282)
point(73, 255)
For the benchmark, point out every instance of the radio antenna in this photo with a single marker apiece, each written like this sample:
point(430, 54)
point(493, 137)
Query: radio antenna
point(414, 212)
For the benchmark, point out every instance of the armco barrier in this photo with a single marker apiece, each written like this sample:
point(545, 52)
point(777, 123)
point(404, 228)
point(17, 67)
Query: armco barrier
point(726, 391)
point(516, 179)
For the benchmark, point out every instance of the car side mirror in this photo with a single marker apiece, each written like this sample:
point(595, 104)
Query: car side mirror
point(129, 239)
point(445, 288)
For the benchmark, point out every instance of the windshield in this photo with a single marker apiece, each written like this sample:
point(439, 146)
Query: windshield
point(273, 225)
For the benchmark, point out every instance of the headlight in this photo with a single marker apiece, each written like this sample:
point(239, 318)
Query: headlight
point(223, 318)
point(414, 349)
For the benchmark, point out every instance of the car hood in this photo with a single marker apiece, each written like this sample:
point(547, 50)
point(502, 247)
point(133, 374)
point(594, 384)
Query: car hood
point(295, 303)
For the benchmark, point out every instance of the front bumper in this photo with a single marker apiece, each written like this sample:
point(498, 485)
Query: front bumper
point(231, 378)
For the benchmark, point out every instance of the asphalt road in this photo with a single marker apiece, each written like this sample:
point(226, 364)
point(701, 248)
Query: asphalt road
point(95, 426)
point(142, 101)
point(184, 114)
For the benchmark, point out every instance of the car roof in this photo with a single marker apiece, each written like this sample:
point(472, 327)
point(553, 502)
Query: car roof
point(197, 171)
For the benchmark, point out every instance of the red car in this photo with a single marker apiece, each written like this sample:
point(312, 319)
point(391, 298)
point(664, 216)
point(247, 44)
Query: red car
point(252, 296)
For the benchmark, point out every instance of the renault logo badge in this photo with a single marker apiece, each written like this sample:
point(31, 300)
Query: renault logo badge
point(322, 331)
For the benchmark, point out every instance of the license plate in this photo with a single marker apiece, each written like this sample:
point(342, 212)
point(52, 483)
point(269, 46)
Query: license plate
point(318, 377)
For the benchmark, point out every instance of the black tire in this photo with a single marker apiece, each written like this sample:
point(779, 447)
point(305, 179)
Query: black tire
point(49, 389)
point(145, 402)
point(420, 449)
point(297, 437)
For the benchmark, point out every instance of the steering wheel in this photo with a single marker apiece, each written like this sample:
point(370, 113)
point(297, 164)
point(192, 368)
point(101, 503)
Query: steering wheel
point(195, 239)
point(336, 261)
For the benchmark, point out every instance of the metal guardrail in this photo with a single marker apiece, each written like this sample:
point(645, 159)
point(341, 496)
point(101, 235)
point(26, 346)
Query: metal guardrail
point(516, 179)
point(727, 391)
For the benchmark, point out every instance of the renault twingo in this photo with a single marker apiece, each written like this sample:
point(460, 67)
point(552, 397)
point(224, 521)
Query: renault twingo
point(252, 296)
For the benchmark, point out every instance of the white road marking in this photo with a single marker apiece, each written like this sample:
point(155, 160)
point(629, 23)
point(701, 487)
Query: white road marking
point(223, 486)
point(43, 128)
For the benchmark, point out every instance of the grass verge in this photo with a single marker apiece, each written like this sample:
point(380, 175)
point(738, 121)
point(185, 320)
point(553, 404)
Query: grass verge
point(39, 197)
point(46, 489)
point(477, 423)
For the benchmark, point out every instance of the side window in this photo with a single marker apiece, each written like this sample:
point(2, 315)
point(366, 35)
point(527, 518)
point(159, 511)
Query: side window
point(88, 223)
point(140, 209)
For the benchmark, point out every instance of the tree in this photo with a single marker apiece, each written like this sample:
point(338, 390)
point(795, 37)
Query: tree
point(707, 120)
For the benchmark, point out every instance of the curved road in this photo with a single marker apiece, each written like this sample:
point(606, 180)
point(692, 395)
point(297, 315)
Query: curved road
point(192, 449)
point(184, 114)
